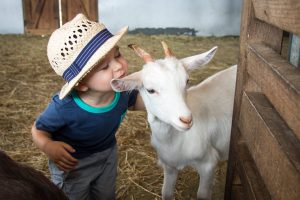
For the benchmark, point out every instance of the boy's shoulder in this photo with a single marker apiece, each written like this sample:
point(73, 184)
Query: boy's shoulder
point(61, 102)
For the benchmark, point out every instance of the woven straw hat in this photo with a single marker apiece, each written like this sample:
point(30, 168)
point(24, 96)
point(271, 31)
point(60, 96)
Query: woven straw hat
point(75, 48)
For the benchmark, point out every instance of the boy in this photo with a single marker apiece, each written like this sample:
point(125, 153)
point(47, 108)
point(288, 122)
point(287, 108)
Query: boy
point(77, 129)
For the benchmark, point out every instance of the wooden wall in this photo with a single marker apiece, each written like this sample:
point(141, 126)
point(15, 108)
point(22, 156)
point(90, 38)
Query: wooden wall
point(42, 16)
point(264, 161)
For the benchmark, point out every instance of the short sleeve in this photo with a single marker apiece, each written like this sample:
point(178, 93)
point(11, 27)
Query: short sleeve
point(50, 120)
point(132, 97)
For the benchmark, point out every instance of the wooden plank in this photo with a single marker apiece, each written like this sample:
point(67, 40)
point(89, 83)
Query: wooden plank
point(39, 31)
point(70, 8)
point(251, 85)
point(40, 16)
point(247, 184)
point(26, 12)
point(273, 146)
point(49, 18)
point(279, 81)
point(254, 187)
point(252, 31)
point(231, 166)
point(237, 193)
point(282, 14)
point(37, 12)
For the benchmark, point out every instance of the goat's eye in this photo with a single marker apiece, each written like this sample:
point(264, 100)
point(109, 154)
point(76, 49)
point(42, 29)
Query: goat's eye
point(150, 91)
point(187, 81)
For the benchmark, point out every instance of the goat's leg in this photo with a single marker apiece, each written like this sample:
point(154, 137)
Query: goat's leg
point(170, 176)
point(206, 172)
point(206, 178)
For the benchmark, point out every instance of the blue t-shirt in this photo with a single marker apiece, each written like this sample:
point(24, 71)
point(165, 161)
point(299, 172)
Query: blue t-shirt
point(87, 129)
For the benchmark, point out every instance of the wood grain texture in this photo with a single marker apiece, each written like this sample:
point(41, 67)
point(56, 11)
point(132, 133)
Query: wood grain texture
point(279, 81)
point(273, 146)
point(42, 16)
point(252, 30)
point(254, 186)
point(282, 14)
point(72, 7)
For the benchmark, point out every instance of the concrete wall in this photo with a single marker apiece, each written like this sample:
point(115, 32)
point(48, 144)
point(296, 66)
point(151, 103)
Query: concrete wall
point(204, 17)
point(11, 16)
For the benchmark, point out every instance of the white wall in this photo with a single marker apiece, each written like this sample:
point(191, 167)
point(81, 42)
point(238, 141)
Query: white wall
point(207, 17)
point(11, 16)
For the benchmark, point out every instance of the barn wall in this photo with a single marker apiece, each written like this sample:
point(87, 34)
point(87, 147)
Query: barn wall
point(206, 18)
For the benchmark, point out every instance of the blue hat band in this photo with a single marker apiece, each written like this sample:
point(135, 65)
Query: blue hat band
point(87, 52)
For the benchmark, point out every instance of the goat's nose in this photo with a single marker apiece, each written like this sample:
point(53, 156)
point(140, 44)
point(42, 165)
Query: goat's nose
point(186, 120)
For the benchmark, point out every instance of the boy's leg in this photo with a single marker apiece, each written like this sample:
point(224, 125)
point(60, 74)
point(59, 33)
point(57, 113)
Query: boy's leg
point(93, 178)
point(74, 184)
point(104, 187)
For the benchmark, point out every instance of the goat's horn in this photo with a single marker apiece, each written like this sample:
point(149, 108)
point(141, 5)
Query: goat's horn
point(140, 52)
point(167, 51)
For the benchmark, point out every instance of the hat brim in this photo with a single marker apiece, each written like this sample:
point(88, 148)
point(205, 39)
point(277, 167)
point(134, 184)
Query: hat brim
point(99, 54)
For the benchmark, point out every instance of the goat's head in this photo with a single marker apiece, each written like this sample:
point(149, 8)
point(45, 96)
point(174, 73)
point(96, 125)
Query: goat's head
point(162, 85)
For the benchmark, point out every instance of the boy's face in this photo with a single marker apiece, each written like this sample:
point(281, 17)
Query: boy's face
point(114, 65)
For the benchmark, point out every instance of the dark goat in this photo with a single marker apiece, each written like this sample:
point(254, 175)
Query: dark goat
point(20, 182)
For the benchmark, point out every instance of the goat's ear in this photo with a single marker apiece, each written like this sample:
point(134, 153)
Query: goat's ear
point(199, 60)
point(128, 83)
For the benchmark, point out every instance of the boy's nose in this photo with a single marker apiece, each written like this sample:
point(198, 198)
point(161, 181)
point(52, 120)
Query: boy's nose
point(119, 68)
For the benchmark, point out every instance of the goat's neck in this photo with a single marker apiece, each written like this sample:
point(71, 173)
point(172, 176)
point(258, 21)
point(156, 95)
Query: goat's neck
point(160, 130)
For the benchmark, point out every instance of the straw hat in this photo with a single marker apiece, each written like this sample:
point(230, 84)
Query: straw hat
point(77, 46)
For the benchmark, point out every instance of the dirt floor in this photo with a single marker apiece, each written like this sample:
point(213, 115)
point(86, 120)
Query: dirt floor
point(27, 82)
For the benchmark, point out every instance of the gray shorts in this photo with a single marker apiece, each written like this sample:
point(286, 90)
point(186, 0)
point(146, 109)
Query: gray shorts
point(93, 178)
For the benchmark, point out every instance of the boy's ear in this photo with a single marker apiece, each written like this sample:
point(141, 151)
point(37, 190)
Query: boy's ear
point(128, 83)
point(199, 60)
point(81, 87)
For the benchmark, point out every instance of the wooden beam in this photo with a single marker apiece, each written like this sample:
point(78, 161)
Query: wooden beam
point(253, 184)
point(282, 14)
point(273, 146)
point(70, 8)
point(252, 31)
point(37, 13)
point(279, 81)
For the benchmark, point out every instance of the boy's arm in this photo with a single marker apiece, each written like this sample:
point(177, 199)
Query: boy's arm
point(56, 150)
point(139, 103)
point(40, 138)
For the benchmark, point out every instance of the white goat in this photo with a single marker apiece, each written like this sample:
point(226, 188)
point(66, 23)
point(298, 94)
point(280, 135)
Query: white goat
point(178, 139)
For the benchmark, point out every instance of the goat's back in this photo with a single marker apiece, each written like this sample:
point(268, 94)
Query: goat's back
point(216, 93)
point(211, 103)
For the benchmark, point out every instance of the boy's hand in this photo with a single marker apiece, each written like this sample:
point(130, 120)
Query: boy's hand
point(59, 152)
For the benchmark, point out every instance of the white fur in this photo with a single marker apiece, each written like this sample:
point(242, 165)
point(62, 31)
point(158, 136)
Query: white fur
point(200, 144)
